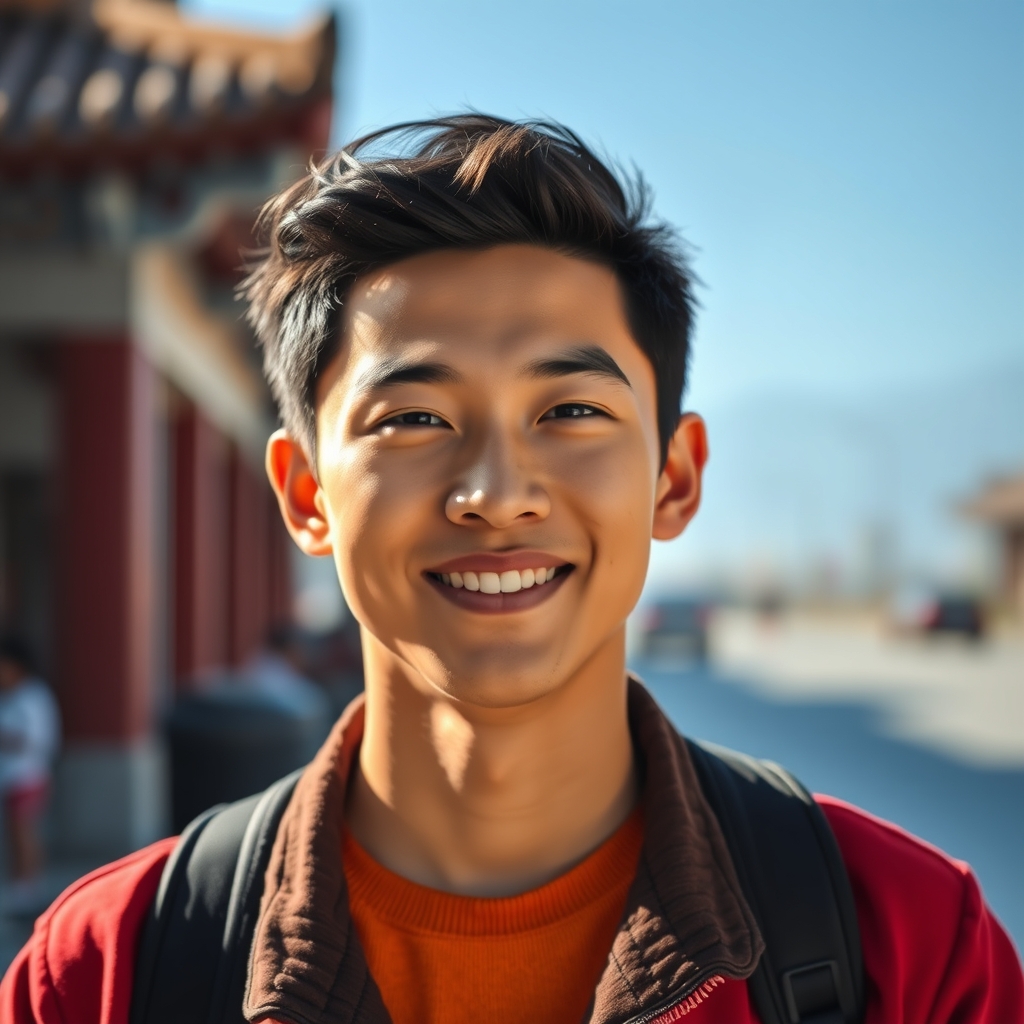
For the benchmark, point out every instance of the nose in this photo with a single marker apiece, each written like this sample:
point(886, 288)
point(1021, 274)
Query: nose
point(497, 491)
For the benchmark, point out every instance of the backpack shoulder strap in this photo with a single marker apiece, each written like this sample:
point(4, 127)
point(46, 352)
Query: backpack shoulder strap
point(193, 955)
point(794, 879)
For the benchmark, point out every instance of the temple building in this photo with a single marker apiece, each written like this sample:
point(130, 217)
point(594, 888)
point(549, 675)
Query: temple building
point(1000, 506)
point(139, 546)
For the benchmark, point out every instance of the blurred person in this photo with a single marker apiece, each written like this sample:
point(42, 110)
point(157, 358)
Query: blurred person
point(277, 668)
point(29, 738)
point(478, 340)
point(276, 672)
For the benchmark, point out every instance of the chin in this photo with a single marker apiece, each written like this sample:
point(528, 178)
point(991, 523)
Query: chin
point(504, 692)
point(497, 678)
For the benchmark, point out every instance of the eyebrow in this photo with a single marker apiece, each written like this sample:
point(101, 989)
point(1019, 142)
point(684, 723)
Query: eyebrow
point(390, 373)
point(587, 359)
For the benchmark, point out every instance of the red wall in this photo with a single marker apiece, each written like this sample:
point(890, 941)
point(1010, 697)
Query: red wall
point(201, 537)
point(105, 572)
point(231, 574)
point(229, 577)
point(249, 559)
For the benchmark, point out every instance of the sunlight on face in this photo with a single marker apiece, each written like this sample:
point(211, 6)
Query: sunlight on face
point(489, 416)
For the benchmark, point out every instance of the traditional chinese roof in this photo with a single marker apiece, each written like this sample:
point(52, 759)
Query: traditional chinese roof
point(1000, 503)
point(127, 80)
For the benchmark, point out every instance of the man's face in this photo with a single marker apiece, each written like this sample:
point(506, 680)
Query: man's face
point(489, 416)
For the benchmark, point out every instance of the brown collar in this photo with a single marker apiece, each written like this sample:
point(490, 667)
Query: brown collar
point(685, 921)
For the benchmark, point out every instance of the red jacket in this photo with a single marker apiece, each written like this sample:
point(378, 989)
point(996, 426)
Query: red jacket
point(933, 951)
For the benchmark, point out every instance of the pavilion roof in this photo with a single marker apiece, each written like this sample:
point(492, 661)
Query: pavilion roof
point(123, 80)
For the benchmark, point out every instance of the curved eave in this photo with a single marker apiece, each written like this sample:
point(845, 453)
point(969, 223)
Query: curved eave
point(139, 81)
point(305, 124)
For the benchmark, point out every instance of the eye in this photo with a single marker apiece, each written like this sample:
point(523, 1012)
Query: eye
point(415, 419)
point(571, 411)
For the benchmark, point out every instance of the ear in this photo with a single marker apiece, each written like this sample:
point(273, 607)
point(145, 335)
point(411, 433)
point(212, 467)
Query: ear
point(677, 496)
point(298, 494)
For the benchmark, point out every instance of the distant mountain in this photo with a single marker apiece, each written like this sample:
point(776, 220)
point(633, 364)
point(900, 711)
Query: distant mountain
point(799, 485)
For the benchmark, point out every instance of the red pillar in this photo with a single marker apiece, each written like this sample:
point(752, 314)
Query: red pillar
point(106, 568)
point(249, 568)
point(201, 538)
point(279, 548)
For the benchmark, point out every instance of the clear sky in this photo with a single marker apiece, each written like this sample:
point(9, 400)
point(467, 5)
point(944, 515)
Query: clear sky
point(850, 174)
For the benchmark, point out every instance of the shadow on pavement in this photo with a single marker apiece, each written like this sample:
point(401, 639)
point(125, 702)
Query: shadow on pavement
point(972, 813)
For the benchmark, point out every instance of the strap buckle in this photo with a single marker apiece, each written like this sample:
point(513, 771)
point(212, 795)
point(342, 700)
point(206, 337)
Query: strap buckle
point(812, 993)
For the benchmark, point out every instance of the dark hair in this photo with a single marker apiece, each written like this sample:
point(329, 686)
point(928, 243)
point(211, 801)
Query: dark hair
point(15, 648)
point(462, 182)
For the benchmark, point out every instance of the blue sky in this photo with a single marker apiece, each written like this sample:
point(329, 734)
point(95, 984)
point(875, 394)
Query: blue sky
point(851, 175)
point(851, 178)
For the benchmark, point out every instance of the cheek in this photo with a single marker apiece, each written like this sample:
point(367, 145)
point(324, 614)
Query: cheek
point(351, 501)
point(356, 498)
point(612, 490)
point(375, 517)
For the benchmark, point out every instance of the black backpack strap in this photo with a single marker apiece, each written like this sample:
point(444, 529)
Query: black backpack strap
point(793, 876)
point(193, 955)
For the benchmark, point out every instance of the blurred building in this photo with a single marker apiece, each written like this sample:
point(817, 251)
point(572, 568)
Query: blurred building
point(1000, 505)
point(139, 545)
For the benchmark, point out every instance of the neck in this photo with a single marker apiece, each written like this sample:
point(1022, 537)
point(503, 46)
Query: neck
point(490, 801)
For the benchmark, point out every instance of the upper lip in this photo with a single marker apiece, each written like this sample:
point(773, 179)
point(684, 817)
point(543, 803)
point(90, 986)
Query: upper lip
point(499, 562)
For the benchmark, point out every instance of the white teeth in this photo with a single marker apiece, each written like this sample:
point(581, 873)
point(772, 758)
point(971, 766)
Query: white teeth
point(508, 582)
point(490, 583)
point(511, 581)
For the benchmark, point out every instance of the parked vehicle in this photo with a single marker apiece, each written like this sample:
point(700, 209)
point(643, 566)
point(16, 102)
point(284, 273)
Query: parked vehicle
point(922, 611)
point(953, 613)
point(676, 628)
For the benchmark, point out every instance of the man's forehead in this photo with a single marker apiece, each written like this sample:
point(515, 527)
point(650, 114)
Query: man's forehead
point(490, 319)
point(497, 297)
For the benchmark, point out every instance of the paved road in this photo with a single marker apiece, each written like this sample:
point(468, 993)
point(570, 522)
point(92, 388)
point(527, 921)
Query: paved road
point(956, 697)
point(846, 749)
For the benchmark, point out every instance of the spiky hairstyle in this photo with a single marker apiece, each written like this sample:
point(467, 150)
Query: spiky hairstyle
point(463, 182)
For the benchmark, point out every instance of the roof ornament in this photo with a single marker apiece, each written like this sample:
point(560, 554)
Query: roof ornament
point(257, 76)
point(155, 92)
point(100, 98)
point(209, 82)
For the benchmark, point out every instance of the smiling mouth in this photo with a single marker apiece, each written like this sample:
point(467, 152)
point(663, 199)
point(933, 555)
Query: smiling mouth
point(507, 591)
point(509, 582)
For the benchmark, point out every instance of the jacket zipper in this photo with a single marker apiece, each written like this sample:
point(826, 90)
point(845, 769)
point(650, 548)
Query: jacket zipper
point(686, 1002)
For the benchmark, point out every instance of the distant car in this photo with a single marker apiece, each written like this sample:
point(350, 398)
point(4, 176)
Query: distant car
point(921, 611)
point(676, 628)
point(953, 613)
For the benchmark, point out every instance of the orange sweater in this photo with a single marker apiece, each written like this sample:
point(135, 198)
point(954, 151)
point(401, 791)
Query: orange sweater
point(536, 957)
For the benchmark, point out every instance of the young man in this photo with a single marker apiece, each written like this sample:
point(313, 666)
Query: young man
point(478, 344)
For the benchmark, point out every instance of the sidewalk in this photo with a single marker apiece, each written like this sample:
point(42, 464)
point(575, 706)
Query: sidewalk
point(958, 698)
